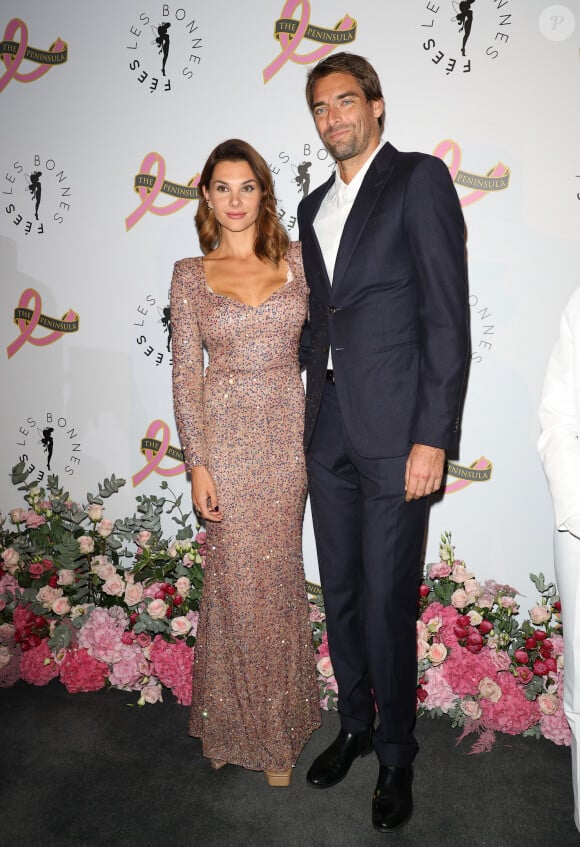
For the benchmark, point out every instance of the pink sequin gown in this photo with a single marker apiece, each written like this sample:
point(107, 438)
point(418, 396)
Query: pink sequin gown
point(255, 700)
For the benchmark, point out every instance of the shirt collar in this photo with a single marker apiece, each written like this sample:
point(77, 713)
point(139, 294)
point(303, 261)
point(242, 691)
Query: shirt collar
point(346, 192)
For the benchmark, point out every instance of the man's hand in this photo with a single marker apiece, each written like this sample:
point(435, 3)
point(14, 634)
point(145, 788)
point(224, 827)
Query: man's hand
point(203, 495)
point(424, 471)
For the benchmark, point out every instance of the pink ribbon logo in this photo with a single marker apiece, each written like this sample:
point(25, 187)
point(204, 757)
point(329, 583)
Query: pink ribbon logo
point(149, 187)
point(155, 450)
point(15, 52)
point(479, 471)
point(496, 179)
point(291, 32)
point(28, 319)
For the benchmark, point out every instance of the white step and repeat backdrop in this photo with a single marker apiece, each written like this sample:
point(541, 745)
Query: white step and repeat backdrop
point(108, 111)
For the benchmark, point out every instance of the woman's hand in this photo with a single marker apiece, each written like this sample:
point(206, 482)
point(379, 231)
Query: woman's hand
point(203, 495)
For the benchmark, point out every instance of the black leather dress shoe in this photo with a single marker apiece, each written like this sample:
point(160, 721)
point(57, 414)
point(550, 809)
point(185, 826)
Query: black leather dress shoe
point(333, 765)
point(393, 798)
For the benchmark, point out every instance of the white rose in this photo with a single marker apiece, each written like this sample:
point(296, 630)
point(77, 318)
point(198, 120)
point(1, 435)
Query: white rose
point(86, 544)
point(180, 625)
point(540, 614)
point(133, 593)
point(11, 557)
point(5, 656)
point(474, 617)
point(489, 690)
point(437, 654)
point(472, 709)
point(105, 528)
point(95, 512)
point(114, 586)
point(183, 586)
point(66, 577)
point(157, 609)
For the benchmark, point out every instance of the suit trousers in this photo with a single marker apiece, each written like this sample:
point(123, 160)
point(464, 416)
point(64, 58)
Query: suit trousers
point(369, 543)
point(567, 566)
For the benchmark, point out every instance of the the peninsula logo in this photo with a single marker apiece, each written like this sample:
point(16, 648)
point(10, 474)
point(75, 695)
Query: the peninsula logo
point(296, 174)
point(461, 35)
point(37, 194)
point(14, 50)
point(149, 186)
point(48, 443)
point(27, 319)
point(164, 46)
point(497, 177)
point(464, 475)
point(153, 333)
point(289, 32)
point(156, 446)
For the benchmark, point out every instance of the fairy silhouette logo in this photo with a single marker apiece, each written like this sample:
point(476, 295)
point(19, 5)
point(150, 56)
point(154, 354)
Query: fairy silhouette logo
point(149, 186)
point(289, 32)
point(295, 174)
point(16, 52)
point(153, 330)
point(165, 46)
point(28, 319)
point(37, 194)
point(461, 35)
point(47, 442)
point(156, 448)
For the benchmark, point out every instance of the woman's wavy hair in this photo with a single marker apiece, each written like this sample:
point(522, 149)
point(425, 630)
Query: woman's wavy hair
point(271, 238)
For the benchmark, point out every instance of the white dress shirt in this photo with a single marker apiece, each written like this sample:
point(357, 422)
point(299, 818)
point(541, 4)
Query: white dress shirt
point(332, 214)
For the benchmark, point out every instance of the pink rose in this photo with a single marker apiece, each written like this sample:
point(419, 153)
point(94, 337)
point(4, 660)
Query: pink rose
point(104, 572)
point(114, 586)
point(47, 595)
point(133, 593)
point(540, 614)
point(459, 599)
point(157, 609)
point(422, 630)
point(473, 587)
point(150, 694)
point(439, 570)
point(437, 653)
point(143, 537)
point(524, 675)
point(86, 544)
point(489, 690)
point(66, 577)
point(5, 656)
point(180, 625)
point(33, 521)
point(548, 704)
point(485, 601)
point(10, 557)
point(143, 640)
point(183, 586)
point(472, 709)
point(36, 570)
point(6, 631)
point(61, 606)
point(507, 602)
point(105, 528)
point(460, 574)
point(324, 667)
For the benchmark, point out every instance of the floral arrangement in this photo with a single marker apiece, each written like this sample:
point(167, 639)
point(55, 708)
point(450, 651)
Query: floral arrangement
point(97, 602)
point(101, 603)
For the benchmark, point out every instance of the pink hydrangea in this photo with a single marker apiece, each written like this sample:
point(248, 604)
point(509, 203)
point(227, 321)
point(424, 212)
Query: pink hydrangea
point(37, 665)
point(8, 583)
point(322, 651)
point(129, 671)
point(556, 727)
point(82, 672)
point(513, 713)
point(439, 692)
point(101, 635)
point(463, 670)
point(173, 665)
point(448, 615)
point(10, 673)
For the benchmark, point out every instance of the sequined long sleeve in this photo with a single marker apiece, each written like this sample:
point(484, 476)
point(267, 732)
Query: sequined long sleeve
point(187, 364)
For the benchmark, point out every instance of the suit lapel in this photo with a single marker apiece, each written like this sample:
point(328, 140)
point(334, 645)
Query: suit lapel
point(376, 178)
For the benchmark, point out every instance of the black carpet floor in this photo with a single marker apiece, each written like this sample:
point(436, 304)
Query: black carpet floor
point(86, 770)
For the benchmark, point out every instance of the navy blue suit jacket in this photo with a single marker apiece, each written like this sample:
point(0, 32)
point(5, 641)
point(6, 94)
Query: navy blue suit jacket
point(396, 315)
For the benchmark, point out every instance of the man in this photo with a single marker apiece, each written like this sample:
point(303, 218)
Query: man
point(386, 351)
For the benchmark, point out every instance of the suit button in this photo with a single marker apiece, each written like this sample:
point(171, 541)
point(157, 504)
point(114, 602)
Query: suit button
point(331, 310)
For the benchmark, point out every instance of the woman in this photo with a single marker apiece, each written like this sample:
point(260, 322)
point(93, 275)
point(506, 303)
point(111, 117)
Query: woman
point(559, 448)
point(255, 701)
